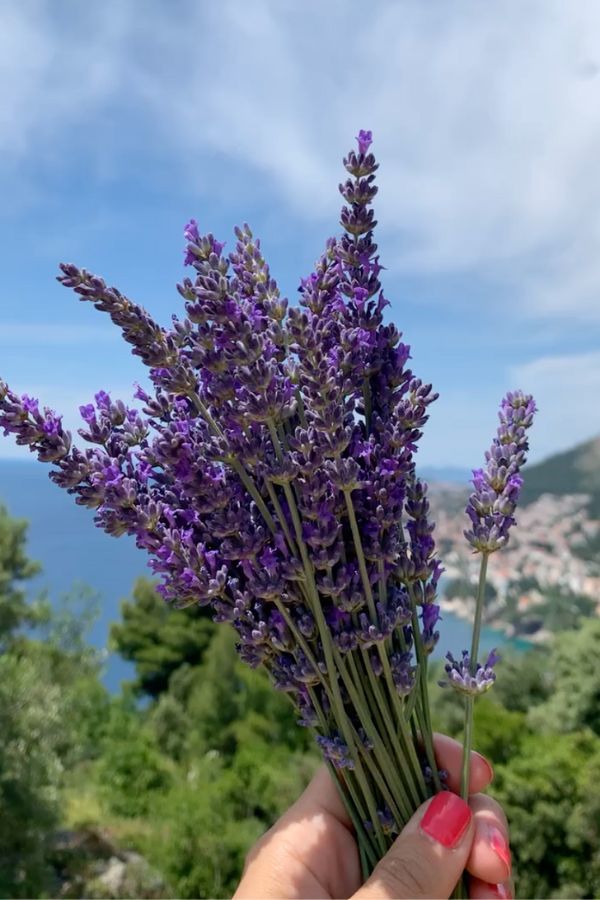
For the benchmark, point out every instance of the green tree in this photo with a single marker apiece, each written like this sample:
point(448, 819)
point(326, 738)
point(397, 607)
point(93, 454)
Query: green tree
point(16, 611)
point(76, 667)
point(230, 704)
point(205, 838)
point(548, 792)
point(159, 639)
point(211, 819)
point(217, 698)
point(221, 705)
point(499, 732)
point(524, 679)
point(32, 715)
point(130, 770)
point(171, 726)
point(575, 678)
point(52, 708)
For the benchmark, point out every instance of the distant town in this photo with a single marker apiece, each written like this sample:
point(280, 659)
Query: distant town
point(547, 577)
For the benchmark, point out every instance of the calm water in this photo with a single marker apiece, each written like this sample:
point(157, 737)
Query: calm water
point(63, 539)
point(456, 637)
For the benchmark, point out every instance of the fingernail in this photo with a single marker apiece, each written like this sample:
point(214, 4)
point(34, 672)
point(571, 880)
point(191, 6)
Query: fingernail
point(498, 890)
point(499, 845)
point(486, 763)
point(446, 818)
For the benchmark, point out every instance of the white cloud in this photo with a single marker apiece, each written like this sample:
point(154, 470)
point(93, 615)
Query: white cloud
point(56, 71)
point(566, 390)
point(486, 116)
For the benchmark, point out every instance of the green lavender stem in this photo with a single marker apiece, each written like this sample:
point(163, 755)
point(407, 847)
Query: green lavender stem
point(469, 701)
point(424, 712)
point(416, 781)
point(337, 702)
point(351, 800)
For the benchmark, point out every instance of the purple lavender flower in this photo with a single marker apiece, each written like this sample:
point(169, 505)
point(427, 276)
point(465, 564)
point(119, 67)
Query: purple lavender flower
point(153, 344)
point(429, 775)
point(387, 821)
point(430, 616)
point(42, 432)
point(365, 139)
point(492, 504)
point(403, 672)
point(308, 715)
point(336, 751)
point(467, 680)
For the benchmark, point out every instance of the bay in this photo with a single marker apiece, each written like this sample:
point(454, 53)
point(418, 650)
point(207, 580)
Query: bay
point(456, 636)
point(72, 551)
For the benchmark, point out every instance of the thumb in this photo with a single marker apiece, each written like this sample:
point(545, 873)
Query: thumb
point(428, 857)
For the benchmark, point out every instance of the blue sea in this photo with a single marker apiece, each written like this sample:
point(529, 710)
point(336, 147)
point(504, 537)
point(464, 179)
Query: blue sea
point(72, 551)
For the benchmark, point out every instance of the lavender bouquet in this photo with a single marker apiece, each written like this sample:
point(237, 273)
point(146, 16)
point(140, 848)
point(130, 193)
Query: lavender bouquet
point(271, 475)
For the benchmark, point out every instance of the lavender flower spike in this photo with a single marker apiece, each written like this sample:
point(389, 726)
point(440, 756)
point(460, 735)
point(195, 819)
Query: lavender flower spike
point(491, 510)
point(492, 504)
point(463, 679)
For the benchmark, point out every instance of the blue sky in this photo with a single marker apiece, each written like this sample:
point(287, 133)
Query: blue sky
point(119, 121)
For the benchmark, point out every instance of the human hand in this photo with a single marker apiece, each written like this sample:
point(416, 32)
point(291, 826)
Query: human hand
point(311, 850)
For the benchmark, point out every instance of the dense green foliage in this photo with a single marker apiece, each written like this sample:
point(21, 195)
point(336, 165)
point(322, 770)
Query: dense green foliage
point(191, 775)
point(51, 707)
point(30, 770)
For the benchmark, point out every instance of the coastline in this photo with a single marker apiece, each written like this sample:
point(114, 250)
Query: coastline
point(463, 609)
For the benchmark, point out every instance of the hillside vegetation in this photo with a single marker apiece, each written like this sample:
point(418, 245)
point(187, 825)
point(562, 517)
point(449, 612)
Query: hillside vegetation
point(576, 471)
point(160, 791)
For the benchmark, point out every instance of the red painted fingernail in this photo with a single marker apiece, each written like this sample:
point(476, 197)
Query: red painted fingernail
point(498, 890)
point(486, 763)
point(499, 845)
point(446, 819)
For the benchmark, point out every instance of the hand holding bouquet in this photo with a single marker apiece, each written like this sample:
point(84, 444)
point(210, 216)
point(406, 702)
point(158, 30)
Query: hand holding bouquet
point(271, 474)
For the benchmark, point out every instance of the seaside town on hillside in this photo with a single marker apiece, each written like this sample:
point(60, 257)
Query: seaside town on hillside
point(547, 577)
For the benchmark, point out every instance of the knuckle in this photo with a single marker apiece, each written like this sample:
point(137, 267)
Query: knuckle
point(403, 875)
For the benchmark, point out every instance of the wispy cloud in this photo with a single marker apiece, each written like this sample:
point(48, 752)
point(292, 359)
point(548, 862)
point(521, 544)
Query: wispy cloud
point(57, 68)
